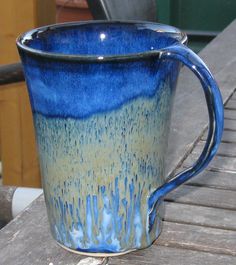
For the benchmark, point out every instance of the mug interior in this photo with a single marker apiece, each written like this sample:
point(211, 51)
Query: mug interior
point(101, 38)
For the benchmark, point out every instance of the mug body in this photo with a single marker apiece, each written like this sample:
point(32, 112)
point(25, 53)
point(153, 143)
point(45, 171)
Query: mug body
point(102, 129)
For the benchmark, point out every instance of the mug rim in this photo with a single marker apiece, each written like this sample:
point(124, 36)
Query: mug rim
point(96, 58)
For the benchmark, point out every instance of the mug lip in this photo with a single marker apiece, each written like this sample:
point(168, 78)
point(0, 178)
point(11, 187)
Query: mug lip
point(95, 58)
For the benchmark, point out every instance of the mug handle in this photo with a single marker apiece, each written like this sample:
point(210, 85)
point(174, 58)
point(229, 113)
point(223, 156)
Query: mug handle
point(215, 107)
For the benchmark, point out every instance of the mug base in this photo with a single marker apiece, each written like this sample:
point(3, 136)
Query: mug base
point(98, 255)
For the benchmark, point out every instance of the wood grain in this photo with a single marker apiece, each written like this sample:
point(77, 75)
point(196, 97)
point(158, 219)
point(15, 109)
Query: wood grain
point(12, 25)
point(6, 194)
point(234, 97)
point(231, 105)
point(18, 17)
point(204, 196)
point(230, 124)
point(159, 255)
point(201, 238)
point(189, 116)
point(226, 164)
point(18, 147)
point(11, 73)
point(211, 179)
point(18, 154)
point(199, 215)
point(228, 136)
point(30, 231)
point(45, 12)
point(230, 114)
point(225, 149)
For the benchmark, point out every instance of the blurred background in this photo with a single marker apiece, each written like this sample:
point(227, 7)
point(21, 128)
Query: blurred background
point(203, 20)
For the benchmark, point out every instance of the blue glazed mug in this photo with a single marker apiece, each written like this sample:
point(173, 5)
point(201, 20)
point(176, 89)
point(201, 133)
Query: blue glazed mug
point(101, 96)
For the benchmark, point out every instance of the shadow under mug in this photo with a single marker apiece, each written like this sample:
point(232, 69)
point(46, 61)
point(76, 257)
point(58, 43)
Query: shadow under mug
point(101, 95)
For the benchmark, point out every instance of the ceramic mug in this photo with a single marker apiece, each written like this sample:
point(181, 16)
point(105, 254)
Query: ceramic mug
point(101, 95)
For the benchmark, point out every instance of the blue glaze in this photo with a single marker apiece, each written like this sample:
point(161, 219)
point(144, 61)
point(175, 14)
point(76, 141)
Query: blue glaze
point(85, 79)
point(129, 211)
point(103, 38)
point(138, 227)
point(101, 95)
point(95, 209)
point(89, 222)
point(88, 83)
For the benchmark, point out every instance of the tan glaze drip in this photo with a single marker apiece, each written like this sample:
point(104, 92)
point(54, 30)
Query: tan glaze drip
point(98, 173)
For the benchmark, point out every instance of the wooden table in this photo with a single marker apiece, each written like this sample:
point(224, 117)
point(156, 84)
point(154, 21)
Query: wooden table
point(200, 218)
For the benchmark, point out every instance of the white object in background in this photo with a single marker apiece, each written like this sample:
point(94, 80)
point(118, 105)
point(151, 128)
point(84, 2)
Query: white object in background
point(94, 261)
point(22, 198)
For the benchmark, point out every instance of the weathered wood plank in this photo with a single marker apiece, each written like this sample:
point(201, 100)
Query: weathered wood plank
point(2, 224)
point(225, 149)
point(30, 238)
point(219, 51)
point(6, 194)
point(199, 215)
point(220, 180)
point(191, 103)
point(228, 137)
point(230, 124)
point(231, 104)
point(204, 196)
point(189, 107)
point(172, 256)
point(226, 164)
point(28, 234)
point(233, 97)
point(230, 114)
point(201, 238)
